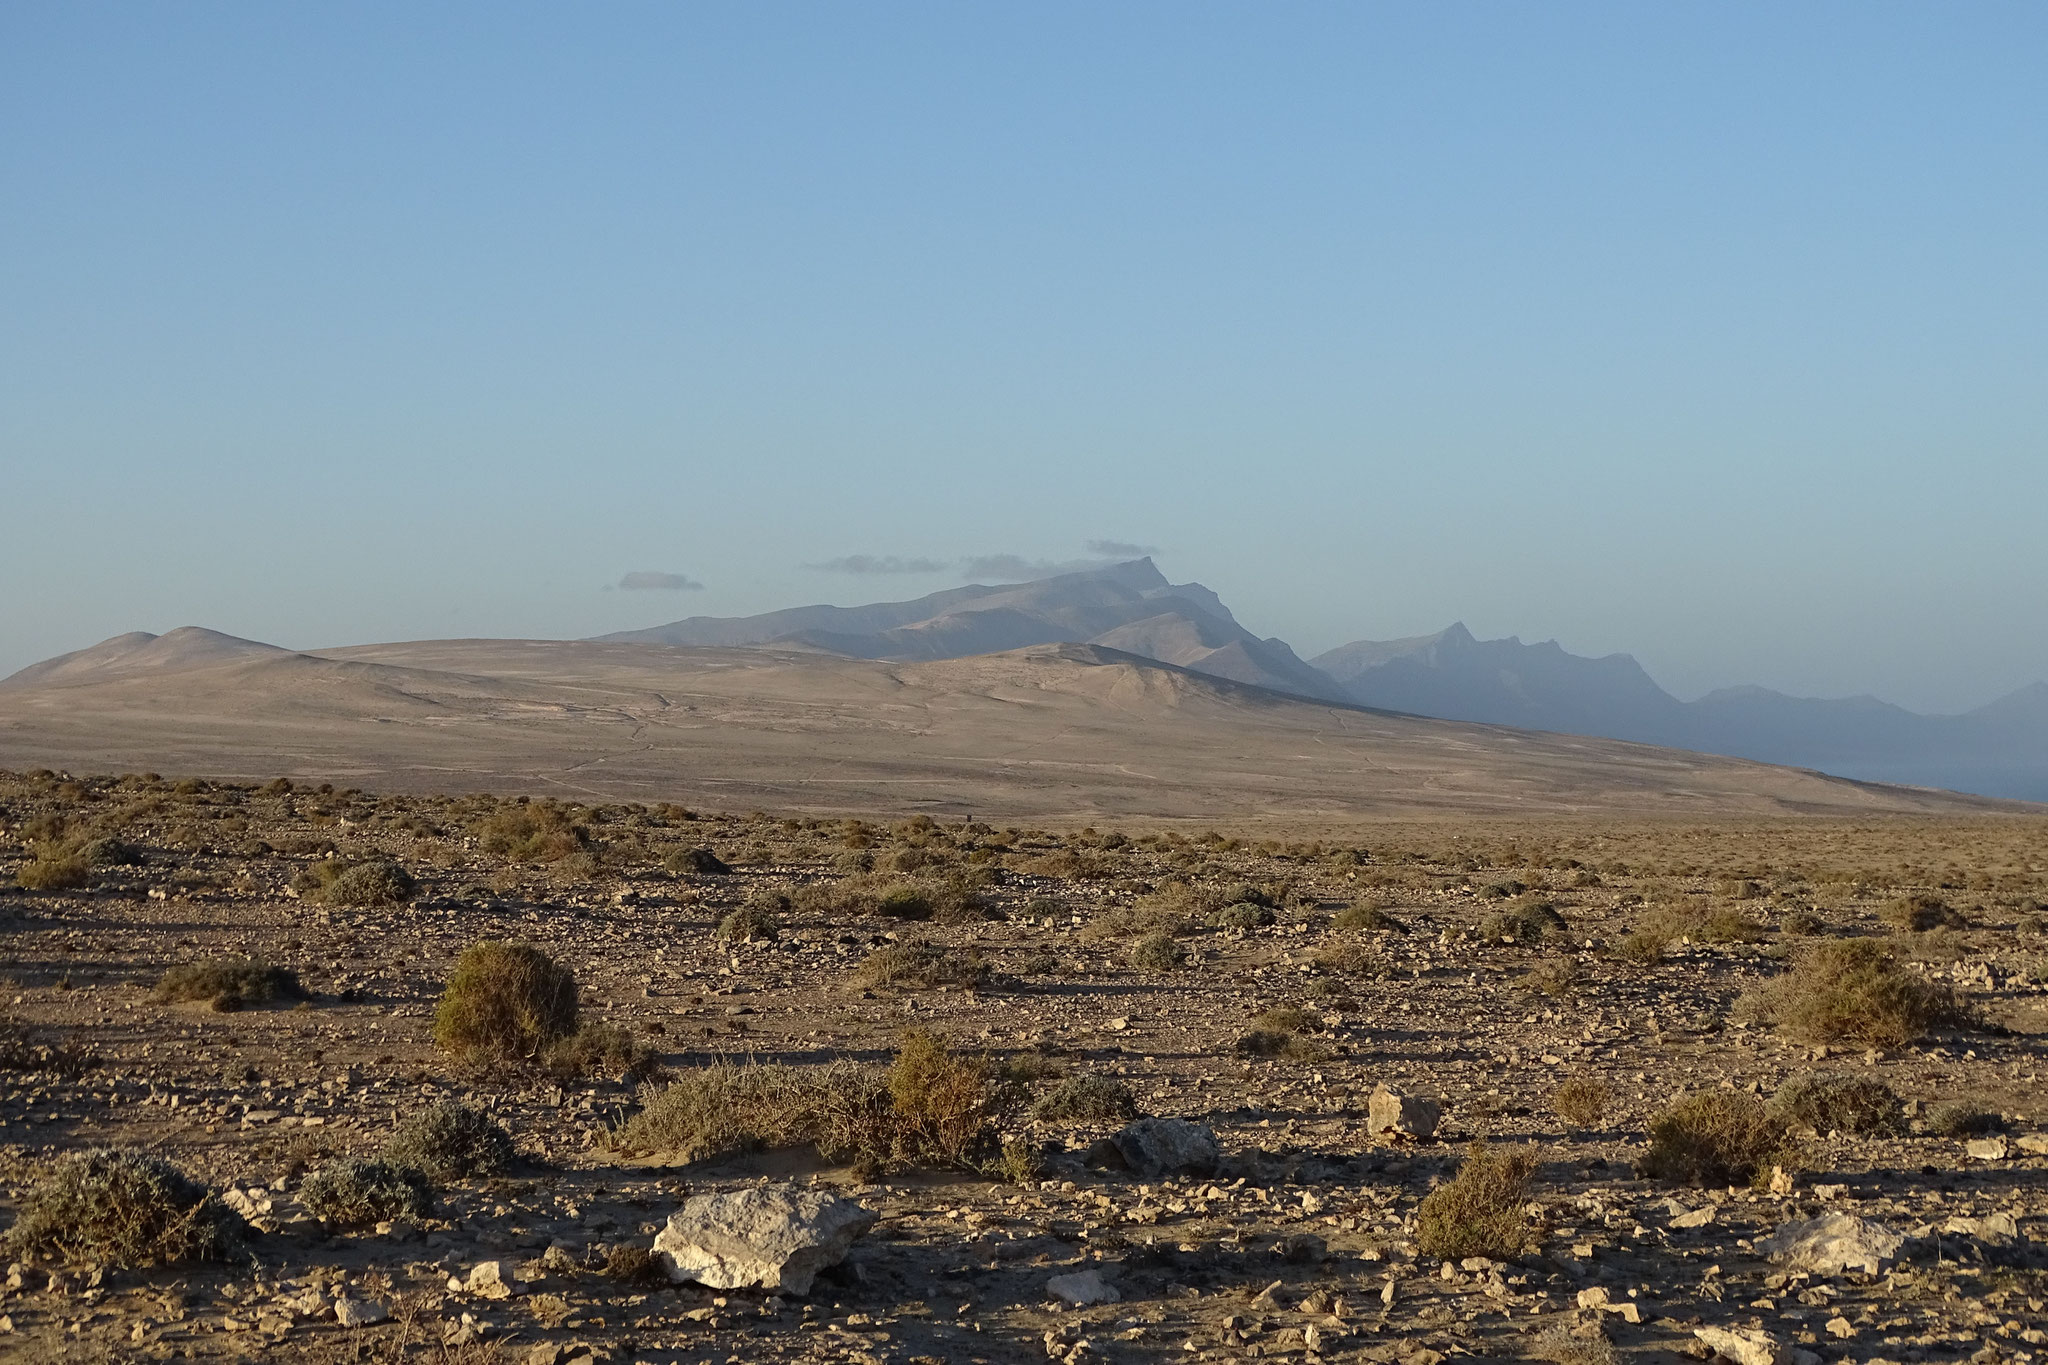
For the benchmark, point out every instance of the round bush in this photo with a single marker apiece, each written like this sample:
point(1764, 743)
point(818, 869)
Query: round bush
point(371, 883)
point(122, 1208)
point(1244, 915)
point(451, 1141)
point(355, 1193)
point(505, 999)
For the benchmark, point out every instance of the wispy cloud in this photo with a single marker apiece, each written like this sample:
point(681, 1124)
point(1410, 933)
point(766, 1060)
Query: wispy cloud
point(880, 564)
point(1121, 549)
point(999, 568)
point(1017, 567)
point(650, 580)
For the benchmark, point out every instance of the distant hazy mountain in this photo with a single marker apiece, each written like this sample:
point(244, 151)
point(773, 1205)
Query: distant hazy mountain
point(1130, 607)
point(2000, 749)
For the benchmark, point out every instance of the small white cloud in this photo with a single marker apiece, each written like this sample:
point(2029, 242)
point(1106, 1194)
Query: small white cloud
point(650, 580)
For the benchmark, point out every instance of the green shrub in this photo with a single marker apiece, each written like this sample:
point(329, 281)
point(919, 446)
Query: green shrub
point(1528, 920)
point(1087, 1099)
point(375, 881)
point(1960, 1119)
point(753, 922)
point(53, 872)
point(357, 1193)
point(702, 861)
point(451, 1141)
point(602, 1050)
point(1278, 1033)
point(1365, 916)
point(1482, 1210)
point(505, 999)
point(1715, 1137)
point(1243, 915)
point(1156, 952)
point(109, 852)
point(1851, 990)
point(1832, 1101)
point(121, 1208)
point(230, 983)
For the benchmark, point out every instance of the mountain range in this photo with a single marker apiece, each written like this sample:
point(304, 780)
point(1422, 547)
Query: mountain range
point(2000, 749)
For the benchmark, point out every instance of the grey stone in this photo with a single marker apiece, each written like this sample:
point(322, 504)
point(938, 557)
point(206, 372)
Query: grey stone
point(1834, 1243)
point(1157, 1147)
point(774, 1237)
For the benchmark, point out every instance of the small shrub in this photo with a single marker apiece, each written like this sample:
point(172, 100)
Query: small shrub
point(1526, 921)
point(1851, 990)
point(121, 1208)
point(722, 1108)
point(1568, 1345)
point(1700, 923)
point(1346, 954)
point(1642, 947)
point(920, 966)
point(1156, 952)
point(357, 1193)
point(1480, 1211)
point(1960, 1119)
point(904, 902)
point(1366, 917)
point(53, 872)
point(702, 861)
point(1803, 924)
point(451, 1141)
point(1243, 915)
point(1833, 1101)
point(633, 1265)
point(1087, 1099)
point(505, 999)
point(532, 834)
point(943, 1099)
point(376, 882)
point(109, 852)
point(1920, 912)
point(753, 922)
point(1714, 1137)
point(603, 1050)
point(1582, 1101)
point(1278, 1033)
point(1554, 978)
point(230, 983)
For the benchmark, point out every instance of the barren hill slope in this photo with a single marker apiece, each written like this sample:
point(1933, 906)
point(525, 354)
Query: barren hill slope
point(1051, 732)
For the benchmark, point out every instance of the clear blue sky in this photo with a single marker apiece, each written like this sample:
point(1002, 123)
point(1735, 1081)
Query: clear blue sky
point(1714, 333)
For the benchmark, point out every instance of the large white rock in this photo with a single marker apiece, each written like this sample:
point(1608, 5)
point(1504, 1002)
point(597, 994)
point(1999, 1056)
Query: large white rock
point(1156, 1147)
point(1082, 1288)
point(1834, 1243)
point(1395, 1111)
point(774, 1237)
point(1743, 1345)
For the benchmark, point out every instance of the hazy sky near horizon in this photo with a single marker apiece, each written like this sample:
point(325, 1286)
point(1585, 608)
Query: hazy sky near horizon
point(1717, 334)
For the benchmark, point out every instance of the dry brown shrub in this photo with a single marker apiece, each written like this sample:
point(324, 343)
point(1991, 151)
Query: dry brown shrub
point(1481, 1211)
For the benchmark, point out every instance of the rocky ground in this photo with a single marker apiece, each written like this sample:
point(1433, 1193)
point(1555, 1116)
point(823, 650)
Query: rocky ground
point(1300, 1241)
